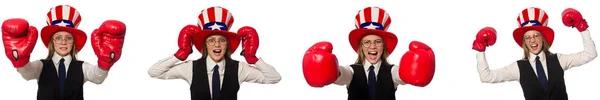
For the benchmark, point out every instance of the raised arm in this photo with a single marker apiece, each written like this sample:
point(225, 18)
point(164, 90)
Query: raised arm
point(572, 18)
point(504, 74)
point(171, 68)
point(487, 37)
point(19, 39)
point(94, 73)
point(261, 72)
point(31, 70)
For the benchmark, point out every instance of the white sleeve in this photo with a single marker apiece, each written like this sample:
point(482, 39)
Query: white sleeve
point(31, 70)
point(396, 76)
point(345, 76)
point(507, 73)
point(169, 68)
point(93, 73)
point(568, 61)
point(261, 72)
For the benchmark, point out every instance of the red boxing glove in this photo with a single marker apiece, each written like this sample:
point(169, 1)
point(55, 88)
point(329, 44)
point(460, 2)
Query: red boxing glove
point(417, 66)
point(185, 41)
point(486, 37)
point(572, 18)
point(107, 42)
point(19, 40)
point(250, 43)
point(319, 65)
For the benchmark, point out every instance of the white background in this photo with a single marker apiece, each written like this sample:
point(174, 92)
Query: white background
point(287, 28)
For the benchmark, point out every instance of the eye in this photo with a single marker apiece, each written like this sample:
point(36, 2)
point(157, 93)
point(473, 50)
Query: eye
point(222, 40)
point(69, 38)
point(378, 41)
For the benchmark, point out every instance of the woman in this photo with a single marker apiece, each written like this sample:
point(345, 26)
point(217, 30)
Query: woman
point(540, 72)
point(371, 77)
point(60, 75)
point(215, 76)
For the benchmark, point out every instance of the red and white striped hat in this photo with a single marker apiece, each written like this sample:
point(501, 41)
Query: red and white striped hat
point(533, 18)
point(373, 20)
point(64, 18)
point(216, 20)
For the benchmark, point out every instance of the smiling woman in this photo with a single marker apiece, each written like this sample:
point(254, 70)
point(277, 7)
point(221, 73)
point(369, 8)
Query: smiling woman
point(540, 72)
point(215, 76)
point(61, 74)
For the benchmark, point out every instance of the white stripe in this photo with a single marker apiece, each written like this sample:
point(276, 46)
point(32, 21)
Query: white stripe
point(545, 23)
point(76, 14)
point(356, 23)
point(361, 13)
point(531, 13)
point(53, 13)
point(218, 14)
point(375, 14)
point(542, 16)
point(522, 19)
point(385, 19)
point(205, 16)
point(228, 19)
point(48, 21)
point(66, 12)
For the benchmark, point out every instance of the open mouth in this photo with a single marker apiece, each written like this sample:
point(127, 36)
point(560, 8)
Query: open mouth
point(372, 55)
point(62, 48)
point(533, 46)
point(217, 51)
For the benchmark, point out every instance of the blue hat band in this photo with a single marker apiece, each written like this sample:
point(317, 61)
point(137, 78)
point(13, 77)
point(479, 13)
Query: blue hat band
point(531, 23)
point(372, 25)
point(66, 23)
point(215, 26)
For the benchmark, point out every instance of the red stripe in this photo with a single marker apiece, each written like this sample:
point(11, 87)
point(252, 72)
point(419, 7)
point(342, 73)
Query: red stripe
point(381, 16)
point(230, 23)
point(519, 20)
point(49, 17)
point(59, 12)
point(367, 13)
point(537, 14)
point(211, 14)
point(224, 15)
point(544, 18)
point(201, 17)
point(387, 23)
point(71, 16)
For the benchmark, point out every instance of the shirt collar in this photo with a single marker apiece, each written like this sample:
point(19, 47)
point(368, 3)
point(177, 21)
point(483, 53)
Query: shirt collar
point(210, 64)
point(541, 54)
point(367, 64)
point(56, 58)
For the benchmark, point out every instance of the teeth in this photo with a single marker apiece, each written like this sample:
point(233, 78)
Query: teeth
point(217, 51)
point(372, 53)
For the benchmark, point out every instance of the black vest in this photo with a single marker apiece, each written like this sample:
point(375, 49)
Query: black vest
point(359, 90)
point(229, 88)
point(533, 90)
point(48, 86)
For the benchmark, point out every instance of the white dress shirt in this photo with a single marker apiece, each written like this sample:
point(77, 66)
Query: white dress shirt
point(511, 72)
point(346, 73)
point(91, 73)
point(169, 68)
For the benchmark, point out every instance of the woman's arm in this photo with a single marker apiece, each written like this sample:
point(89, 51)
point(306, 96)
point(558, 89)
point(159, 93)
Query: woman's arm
point(261, 72)
point(507, 73)
point(169, 68)
point(31, 70)
point(396, 76)
point(94, 73)
point(589, 53)
point(345, 75)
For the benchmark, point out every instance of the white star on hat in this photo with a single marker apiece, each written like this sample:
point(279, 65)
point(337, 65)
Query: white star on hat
point(215, 27)
point(62, 23)
point(530, 24)
point(371, 26)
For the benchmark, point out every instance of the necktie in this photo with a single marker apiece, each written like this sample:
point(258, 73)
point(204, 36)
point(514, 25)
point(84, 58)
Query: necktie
point(372, 82)
point(216, 83)
point(540, 72)
point(61, 75)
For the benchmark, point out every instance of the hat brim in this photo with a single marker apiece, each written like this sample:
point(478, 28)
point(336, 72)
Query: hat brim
point(547, 32)
point(233, 40)
point(79, 36)
point(389, 38)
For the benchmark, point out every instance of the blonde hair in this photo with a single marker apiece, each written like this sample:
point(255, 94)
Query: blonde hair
point(361, 56)
point(545, 48)
point(51, 50)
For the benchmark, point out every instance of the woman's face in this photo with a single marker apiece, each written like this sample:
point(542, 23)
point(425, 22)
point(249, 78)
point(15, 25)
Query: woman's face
point(216, 45)
point(372, 48)
point(533, 41)
point(63, 42)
